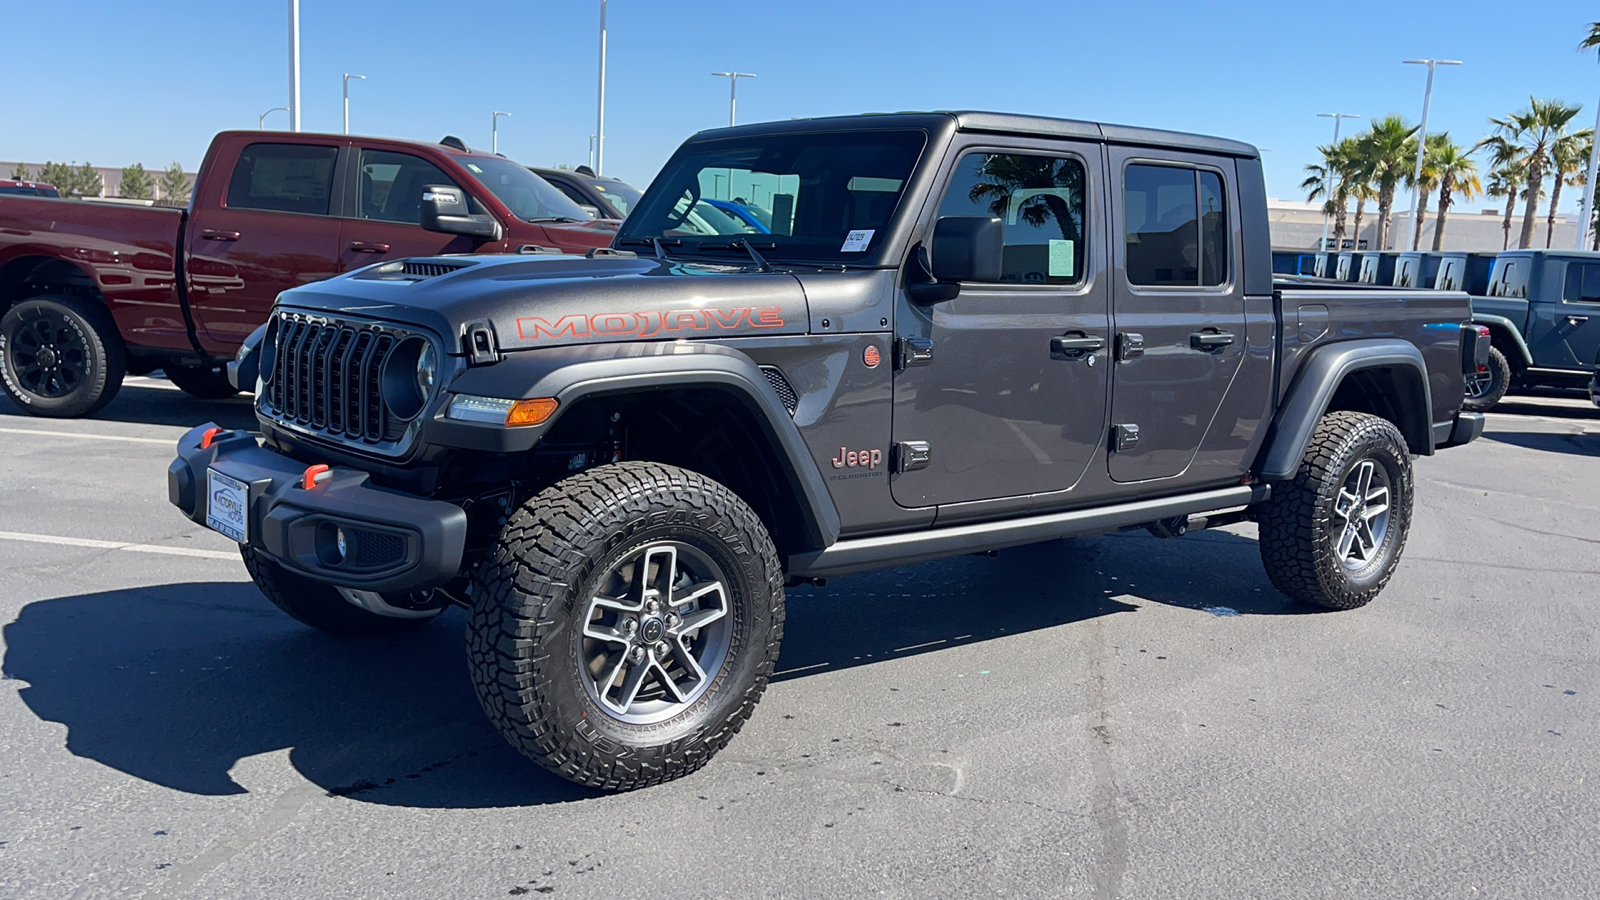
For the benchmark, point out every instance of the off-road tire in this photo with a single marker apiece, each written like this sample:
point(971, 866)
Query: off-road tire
point(319, 605)
point(1499, 383)
point(95, 347)
point(1298, 525)
point(531, 601)
point(202, 382)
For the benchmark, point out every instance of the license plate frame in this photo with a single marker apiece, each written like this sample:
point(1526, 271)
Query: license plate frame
point(228, 506)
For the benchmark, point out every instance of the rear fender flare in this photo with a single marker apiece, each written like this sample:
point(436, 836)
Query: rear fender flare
point(1500, 326)
point(1313, 390)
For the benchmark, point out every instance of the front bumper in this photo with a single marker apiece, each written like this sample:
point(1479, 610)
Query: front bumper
point(392, 541)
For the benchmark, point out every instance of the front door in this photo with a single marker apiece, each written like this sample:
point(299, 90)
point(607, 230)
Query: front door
point(386, 221)
point(1179, 310)
point(1010, 398)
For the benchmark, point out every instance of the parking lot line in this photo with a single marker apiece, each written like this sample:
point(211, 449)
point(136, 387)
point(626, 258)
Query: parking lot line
point(116, 545)
point(168, 442)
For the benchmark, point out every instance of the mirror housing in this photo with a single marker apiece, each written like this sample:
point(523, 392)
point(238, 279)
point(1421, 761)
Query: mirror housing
point(964, 248)
point(592, 210)
point(445, 210)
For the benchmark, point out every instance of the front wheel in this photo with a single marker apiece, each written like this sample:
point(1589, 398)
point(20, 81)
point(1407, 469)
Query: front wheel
point(60, 356)
point(626, 624)
point(1486, 388)
point(1333, 535)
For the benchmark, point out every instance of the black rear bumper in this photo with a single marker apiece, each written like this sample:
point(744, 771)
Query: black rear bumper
point(392, 541)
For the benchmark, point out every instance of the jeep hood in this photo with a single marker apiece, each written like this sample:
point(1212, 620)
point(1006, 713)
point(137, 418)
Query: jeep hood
point(550, 301)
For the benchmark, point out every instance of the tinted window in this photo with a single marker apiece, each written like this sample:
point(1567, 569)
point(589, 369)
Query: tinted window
point(529, 197)
point(284, 177)
point(571, 191)
point(1040, 200)
point(392, 183)
point(1177, 226)
point(1583, 283)
point(832, 195)
point(619, 196)
point(1449, 277)
point(1406, 274)
point(1510, 279)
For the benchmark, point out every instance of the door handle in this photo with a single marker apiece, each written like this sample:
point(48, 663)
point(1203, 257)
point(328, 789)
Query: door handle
point(1069, 347)
point(211, 234)
point(1210, 340)
point(364, 247)
point(1575, 321)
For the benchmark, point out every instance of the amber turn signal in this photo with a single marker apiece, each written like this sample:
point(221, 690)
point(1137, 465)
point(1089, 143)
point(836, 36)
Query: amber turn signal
point(531, 412)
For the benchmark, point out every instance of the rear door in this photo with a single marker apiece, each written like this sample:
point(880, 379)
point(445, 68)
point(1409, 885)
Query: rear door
point(1570, 337)
point(1011, 395)
point(385, 218)
point(1178, 308)
point(274, 227)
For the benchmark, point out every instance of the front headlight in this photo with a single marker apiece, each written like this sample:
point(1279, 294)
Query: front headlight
point(499, 411)
point(410, 376)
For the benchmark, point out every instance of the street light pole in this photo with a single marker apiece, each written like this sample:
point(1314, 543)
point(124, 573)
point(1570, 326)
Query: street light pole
point(294, 65)
point(1337, 117)
point(1585, 225)
point(261, 120)
point(1422, 142)
point(600, 106)
point(347, 77)
point(733, 87)
point(494, 131)
point(591, 153)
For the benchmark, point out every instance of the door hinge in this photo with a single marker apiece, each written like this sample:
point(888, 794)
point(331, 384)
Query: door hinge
point(1130, 345)
point(912, 351)
point(910, 456)
point(1124, 437)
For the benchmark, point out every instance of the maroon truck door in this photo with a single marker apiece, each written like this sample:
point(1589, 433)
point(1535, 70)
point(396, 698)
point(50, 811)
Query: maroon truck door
point(383, 222)
point(266, 223)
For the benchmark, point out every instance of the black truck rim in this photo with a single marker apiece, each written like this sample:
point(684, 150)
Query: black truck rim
point(48, 355)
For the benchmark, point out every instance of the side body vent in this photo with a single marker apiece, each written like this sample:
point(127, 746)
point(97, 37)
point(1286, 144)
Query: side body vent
point(780, 384)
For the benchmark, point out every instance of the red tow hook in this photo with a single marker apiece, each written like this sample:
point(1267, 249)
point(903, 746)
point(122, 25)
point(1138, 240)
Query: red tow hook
point(209, 436)
point(315, 475)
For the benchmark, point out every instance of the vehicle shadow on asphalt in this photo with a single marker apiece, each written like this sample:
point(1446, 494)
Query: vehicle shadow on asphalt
point(141, 405)
point(176, 684)
point(1578, 444)
point(1510, 406)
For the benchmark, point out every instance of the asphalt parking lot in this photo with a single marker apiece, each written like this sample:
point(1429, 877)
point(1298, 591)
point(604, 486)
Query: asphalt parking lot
point(1108, 717)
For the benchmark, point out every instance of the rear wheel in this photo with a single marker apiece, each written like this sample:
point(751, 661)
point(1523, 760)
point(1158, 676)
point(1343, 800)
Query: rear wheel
point(60, 356)
point(204, 382)
point(1334, 534)
point(1486, 388)
point(325, 608)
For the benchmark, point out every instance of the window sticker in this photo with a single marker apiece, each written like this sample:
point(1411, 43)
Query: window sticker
point(1061, 258)
point(857, 241)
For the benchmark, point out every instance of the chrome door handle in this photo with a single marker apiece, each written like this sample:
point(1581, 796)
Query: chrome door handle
point(210, 234)
point(364, 247)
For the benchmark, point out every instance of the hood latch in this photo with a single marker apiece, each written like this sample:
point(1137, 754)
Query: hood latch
point(477, 340)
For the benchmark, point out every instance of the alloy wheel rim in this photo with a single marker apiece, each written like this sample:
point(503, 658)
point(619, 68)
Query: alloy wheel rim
point(656, 632)
point(1361, 513)
point(48, 356)
point(1479, 383)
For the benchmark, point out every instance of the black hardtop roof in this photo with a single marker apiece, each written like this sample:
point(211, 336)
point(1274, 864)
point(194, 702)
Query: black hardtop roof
point(996, 123)
point(1575, 254)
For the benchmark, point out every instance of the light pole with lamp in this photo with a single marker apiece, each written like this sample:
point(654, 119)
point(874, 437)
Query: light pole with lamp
point(347, 77)
point(261, 120)
point(494, 131)
point(591, 153)
point(294, 65)
point(1422, 141)
point(600, 106)
point(1337, 118)
point(733, 89)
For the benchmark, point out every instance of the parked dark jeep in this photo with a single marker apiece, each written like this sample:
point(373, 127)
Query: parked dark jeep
point(965, 331)
point(1543, 309)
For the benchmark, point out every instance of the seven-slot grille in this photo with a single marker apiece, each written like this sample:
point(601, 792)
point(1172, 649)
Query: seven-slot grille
point(327, 378)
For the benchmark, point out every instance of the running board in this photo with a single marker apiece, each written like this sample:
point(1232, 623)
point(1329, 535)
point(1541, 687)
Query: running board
point(864, 554)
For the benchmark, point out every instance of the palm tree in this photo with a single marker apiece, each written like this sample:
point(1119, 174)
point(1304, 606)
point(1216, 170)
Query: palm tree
point(1567, 157)
point(1458, 175)
point(1507, 172)
point(1534, 132)
point(1430, 180)
point(1008, 174)
point(1331, 180)
point(1362, 192)
point(1387, 150)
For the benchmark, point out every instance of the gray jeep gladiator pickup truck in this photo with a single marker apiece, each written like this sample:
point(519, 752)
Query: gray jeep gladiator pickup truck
point(965, 331)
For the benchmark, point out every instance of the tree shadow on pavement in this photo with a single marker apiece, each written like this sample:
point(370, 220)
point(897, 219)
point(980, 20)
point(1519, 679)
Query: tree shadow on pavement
point(174, 684)
point(152, 405)
point(1578, 444)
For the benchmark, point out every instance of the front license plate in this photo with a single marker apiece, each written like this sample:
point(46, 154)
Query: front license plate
point(228, 510)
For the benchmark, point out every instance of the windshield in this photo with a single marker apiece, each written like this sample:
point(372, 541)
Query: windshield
point(622, 198)
point(529, 197)
point(829, 197)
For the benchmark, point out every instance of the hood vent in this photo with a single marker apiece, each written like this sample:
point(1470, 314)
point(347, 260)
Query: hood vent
point(412, 270)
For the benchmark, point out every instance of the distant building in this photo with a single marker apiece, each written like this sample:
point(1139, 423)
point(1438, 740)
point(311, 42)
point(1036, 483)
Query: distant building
point(1297, 224)
point(110, 178)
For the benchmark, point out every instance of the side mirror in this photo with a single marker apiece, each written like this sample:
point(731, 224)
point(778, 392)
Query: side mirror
point(593, 211)
point(964, 248)
point(445, 210)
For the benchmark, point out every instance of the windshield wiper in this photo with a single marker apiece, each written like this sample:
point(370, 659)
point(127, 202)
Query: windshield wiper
point(557, 219)
point(748, 247)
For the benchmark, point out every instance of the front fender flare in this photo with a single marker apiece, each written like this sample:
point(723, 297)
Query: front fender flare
point(571, 374)
point(1501, 323)
point(1313, 389)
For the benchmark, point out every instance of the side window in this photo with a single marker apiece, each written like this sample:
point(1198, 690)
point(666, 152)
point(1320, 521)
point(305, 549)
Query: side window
point(1583, 283)
point(572, 193)
point(391, 186)
point(296, 178)
point(1509, 280)
point(1177, 226)
point(1406, 275)
point(1449, 277)
point(1041, 201)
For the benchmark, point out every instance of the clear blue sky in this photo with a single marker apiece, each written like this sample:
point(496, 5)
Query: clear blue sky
point(128, 82)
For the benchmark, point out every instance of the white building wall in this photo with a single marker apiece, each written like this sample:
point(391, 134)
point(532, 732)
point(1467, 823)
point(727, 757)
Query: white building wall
point(1299, 225)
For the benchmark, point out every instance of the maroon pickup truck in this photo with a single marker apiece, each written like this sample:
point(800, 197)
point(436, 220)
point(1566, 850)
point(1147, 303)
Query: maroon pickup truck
point(89, 292)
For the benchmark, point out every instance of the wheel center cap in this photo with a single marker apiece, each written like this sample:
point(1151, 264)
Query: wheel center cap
point(651, 630)
point(46, 356)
